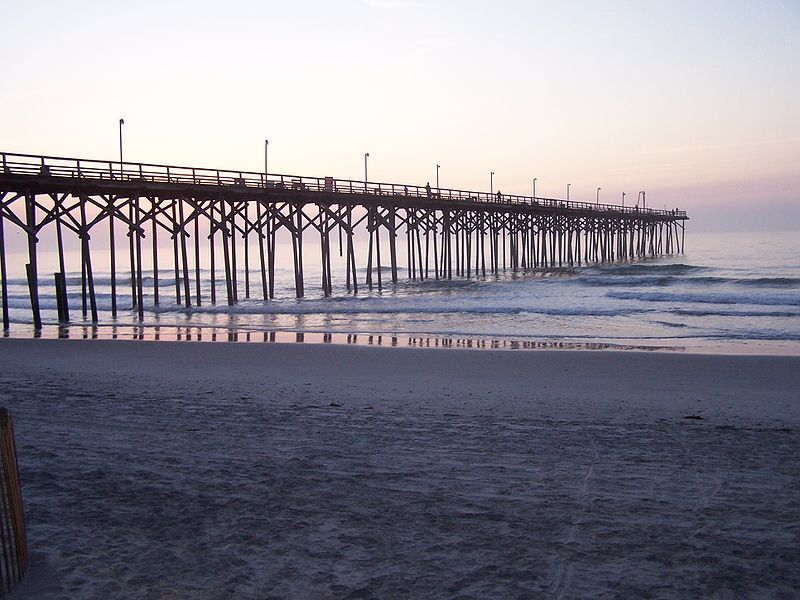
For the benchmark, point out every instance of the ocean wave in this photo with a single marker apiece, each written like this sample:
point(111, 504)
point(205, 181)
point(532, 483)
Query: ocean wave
point(671, 324)
point(769, 282)
point(643, 268)
point(625, 281)
point(708, 298)
point(622, 280)
point(330, 308)
point(735, 313)
point(770, 336)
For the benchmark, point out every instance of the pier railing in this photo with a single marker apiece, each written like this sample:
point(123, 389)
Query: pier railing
point(78, 168)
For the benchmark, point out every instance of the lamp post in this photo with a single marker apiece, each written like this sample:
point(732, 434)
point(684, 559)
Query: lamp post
point(491, 183)
point(266, 156)
point(569, 184)
point(366, 156)
point(623, 199)
point(437, 180)
point(534, 188)
point(121, 123)
point(597, 203)
point(641, 195)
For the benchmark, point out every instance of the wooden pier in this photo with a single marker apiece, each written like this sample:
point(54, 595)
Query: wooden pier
point(232, 219)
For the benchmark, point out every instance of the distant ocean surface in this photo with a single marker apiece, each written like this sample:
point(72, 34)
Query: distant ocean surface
point(729, 293)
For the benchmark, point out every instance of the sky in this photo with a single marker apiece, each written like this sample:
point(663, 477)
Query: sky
point(696, 102)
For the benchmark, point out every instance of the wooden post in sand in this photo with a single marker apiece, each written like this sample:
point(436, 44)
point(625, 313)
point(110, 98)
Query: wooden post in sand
point(13, 539)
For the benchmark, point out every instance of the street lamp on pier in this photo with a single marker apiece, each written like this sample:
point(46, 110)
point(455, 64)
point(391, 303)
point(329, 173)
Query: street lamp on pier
point(597, 202)
point(569, 184)
point(266, 156)
point(534, 188)
point(491, 183)
point(121, 123)
point(623, 199)
point(366, 156)
point(437, 180)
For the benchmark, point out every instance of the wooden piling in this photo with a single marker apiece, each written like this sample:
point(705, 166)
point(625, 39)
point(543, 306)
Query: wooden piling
point(31, 267)
point(271, 246)
point(154, 209)
point(392, 228)
point(184, 255)
point(351, 253)
point(175, 251)
point(233, 253)
point(212, 262)
point(3, 272)
point(87, 265)
point(297, 245)
point(246, 237)
point(139, 282)
point(226, 256)
point(131, 254)
point(59, 287)
point(110, 207)
point(261, 257)
point(196, 219)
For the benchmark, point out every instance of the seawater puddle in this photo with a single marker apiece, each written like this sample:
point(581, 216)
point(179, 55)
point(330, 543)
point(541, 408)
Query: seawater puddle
point(207, 334)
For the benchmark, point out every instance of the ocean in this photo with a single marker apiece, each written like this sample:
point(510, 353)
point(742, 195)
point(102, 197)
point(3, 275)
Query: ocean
point(729, 293)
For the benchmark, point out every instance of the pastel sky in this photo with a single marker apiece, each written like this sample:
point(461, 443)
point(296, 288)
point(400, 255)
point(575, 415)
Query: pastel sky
point(696, 102)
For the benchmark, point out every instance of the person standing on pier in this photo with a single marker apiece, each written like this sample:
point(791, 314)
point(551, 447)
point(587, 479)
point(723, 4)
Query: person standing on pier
point(428, 189)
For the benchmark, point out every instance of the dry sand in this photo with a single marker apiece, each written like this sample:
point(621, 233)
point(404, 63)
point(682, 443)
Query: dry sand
point(199, 470)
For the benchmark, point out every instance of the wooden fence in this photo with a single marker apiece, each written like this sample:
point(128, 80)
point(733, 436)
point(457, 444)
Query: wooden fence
point(13, 540)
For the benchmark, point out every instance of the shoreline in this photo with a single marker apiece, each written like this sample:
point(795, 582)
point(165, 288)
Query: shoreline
point(220, 333)
point(596, 377)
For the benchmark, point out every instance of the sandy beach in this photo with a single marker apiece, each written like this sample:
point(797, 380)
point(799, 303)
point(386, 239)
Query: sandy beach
point(217, 470)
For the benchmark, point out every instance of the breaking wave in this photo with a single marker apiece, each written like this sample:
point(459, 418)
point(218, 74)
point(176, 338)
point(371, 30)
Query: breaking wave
point(708, 298)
